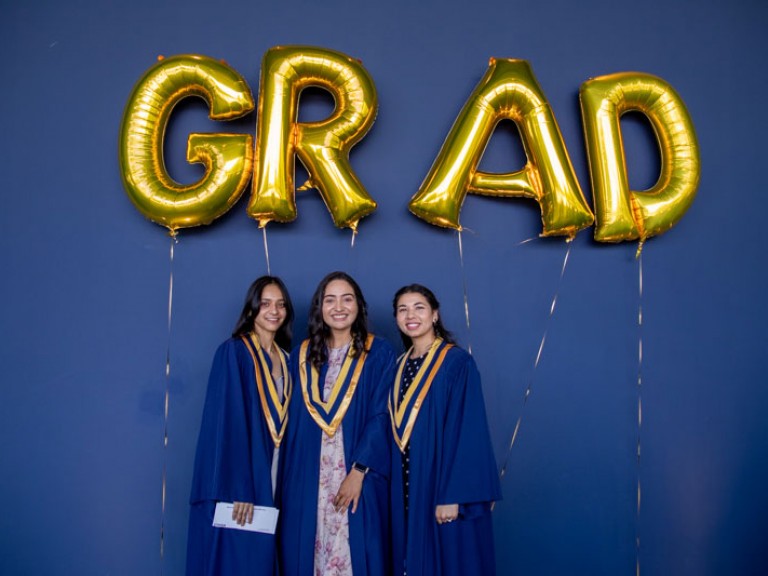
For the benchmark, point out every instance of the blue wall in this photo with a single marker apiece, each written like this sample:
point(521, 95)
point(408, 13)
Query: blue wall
point(85, 278)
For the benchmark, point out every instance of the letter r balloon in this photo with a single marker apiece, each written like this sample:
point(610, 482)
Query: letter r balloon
point(323, 147)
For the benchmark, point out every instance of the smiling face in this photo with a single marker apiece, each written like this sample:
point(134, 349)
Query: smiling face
point(339, 306)
point(415, 317)
point(272, 312)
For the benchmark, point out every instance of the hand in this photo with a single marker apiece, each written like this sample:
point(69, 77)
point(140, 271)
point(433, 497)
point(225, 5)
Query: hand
point(445, 513)
point(349, 491)
point(242, 512)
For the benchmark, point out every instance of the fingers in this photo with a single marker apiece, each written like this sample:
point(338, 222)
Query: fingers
point(341, 502)
point(249, 513)
point(445, 513)
point(242, 512)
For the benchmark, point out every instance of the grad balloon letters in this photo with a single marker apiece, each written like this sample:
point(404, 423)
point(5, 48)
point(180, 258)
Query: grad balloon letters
point(323, 147)
point(227, 157)
point(508, 91)
point(624, 214)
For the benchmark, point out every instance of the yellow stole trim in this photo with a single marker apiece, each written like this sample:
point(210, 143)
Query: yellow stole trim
point(397, 409)
point(267, 389)
point(316, 398)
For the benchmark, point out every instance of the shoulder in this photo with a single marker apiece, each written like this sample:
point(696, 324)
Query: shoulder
point(380, 344)
point(233, 345)
point(458, 358)
point(382, 348)
point(296, 349)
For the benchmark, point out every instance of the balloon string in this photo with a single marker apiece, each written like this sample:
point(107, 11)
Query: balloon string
point(529, 388)
point(639, 402)
point(174, 240)
point(466, 294)
point(354, 235)
point(266, 249)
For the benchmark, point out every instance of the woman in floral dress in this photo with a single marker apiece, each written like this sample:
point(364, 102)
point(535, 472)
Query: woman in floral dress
point(333, 487)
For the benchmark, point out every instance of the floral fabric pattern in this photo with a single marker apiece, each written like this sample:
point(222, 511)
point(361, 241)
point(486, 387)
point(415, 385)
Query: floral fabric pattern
point(332, 553)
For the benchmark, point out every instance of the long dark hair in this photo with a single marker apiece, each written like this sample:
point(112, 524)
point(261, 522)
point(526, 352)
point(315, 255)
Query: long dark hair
point(440, 330)
point(252, 305)
point(319, 330)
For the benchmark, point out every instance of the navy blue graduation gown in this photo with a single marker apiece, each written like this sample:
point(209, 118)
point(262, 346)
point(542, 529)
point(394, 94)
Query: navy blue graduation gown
point(233, 463)
point(451, 462)
point(366, 441)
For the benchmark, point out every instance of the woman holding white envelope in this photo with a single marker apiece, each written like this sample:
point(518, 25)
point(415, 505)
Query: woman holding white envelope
point(244, 419)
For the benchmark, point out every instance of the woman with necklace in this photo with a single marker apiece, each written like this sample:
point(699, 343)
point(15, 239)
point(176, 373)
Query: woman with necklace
point(244, 420)
point(444, 476)
point(333, 488)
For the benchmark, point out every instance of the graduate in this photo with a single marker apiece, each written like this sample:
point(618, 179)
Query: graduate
point(444, 475)
point(244, 420)
point(334, 471)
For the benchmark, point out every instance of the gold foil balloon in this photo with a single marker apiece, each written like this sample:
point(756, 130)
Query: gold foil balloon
point(507, 91)
point(624, 214)
point(227, 158)
point(323, 147)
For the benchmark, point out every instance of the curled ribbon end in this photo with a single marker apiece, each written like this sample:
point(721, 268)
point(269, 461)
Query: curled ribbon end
point(639, 248)
point(308, 185)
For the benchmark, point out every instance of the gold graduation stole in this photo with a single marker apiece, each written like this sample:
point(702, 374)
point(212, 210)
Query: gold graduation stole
point(403, 415)
point(275, 412)
point(328, 414)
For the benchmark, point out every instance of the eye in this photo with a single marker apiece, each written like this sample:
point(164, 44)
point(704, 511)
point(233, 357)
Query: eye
point(281, 305)
point(264, 304)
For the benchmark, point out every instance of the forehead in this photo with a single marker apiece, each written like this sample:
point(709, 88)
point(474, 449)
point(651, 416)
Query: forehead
point(411, 299)
point(338, 288)
point(271, 292)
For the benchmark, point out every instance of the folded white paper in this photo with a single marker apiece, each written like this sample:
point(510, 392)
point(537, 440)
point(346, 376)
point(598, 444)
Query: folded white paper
point(264, 518)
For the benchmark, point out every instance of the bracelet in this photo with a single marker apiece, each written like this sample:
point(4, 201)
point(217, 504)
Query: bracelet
point(360, 467)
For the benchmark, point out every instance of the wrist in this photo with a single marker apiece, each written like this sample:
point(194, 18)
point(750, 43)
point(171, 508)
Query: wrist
point(360, 468)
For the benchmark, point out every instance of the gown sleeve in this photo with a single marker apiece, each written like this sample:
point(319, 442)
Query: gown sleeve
point(468, 473)
point(373, 447)
point(223, 462)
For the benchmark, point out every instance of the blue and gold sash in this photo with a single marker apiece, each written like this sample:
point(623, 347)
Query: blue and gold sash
point(328, 414)
point(275, 412)
point(403, 414)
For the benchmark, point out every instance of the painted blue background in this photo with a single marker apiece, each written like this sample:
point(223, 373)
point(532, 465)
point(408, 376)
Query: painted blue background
point(85, 278)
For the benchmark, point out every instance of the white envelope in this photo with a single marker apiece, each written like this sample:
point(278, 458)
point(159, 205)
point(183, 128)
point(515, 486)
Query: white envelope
point(264, 518)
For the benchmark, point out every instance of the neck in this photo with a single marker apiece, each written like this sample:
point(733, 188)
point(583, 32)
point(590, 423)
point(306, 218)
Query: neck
point(338, 339)
point(422, 344)
point(266, 339)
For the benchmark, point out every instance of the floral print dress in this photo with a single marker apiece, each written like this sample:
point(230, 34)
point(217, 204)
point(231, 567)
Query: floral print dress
point(332, 553)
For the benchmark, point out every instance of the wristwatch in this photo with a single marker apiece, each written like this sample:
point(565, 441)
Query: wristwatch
point(360, 468)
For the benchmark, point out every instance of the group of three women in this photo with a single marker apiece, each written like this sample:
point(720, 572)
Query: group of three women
point(377, 466)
